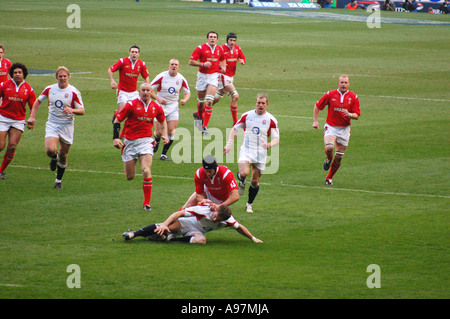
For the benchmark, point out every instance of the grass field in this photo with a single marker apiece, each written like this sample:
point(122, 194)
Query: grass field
point(389, 204)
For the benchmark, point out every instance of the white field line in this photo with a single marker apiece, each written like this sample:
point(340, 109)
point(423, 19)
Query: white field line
point(268, 184)
point(308, 92)
point(10, 285)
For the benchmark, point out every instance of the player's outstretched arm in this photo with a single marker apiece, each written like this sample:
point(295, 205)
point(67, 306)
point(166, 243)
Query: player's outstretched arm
point(244, 231)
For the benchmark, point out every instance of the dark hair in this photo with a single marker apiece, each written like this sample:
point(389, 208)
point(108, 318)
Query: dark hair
point(207, 35)
point(134, 47)
point(224, 212)
point(231, 35)
point(18, 66)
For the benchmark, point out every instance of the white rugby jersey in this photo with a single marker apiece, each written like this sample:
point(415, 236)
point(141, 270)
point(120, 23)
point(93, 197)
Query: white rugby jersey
point(58, 98)
point(257, 129)
point(169, 87)
point(203, 215)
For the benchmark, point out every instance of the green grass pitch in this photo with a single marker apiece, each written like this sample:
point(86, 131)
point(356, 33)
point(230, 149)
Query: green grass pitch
point(389, 204)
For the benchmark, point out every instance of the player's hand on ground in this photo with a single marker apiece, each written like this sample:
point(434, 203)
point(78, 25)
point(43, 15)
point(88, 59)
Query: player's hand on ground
point(256, 240)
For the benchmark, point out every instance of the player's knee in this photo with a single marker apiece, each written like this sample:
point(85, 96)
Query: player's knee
point(339, 156)
point(146, 172)
point(198, 240)
point(11, 148)
point(209, 99)
point(50, 152)
point(234, 95)
point(329, 147)
point(218, 96)
point(201, 101)
point(243, 173)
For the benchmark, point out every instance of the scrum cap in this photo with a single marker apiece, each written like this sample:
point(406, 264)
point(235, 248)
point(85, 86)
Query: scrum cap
point(209, 162)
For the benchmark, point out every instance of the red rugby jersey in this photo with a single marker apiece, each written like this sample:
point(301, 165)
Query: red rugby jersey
point(139, 118)
point(336, 101)
point(129, 73)
point(14, 99)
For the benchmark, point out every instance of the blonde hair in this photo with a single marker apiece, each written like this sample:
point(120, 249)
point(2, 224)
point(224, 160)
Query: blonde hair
point(62, 68)
point(263, 96)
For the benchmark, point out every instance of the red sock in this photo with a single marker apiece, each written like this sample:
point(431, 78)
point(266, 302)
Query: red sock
point(334, 167)
point(200, 110)
point(147, 188)
point(207, 115)
point(234, 113)
point(6, 160)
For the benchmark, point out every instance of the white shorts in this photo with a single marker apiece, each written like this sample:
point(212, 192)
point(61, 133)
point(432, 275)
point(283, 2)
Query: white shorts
point(189, 226)
point(257, 159)
point(124, 97)
point(171, 114)
point(342, 133)
point(6, 123)
point(62, 131)
point(225, 80)
point(134, 148)
point(203, 80)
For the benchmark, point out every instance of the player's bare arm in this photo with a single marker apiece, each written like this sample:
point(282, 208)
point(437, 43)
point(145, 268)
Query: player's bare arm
point(245, 232)
point(232, 198)
point(223, 66)
point(273, 142)
point(69, 110)
point(32, 120)
point(206, 64)
point(201, 198)
point(231, 138)
point(352, 116)
point(111, 79)
point(316, 117)
point(185, 99)
point(163, 132)
point(170, 220)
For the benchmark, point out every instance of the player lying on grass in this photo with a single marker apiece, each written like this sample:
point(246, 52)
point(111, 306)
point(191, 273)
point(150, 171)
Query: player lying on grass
point(192, 224)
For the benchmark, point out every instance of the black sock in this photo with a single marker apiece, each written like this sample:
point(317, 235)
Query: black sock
point(166, 147)
point(239, 177)
point(252, 191)
point(60, 171)
point(185, 239)
point(145, 231)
